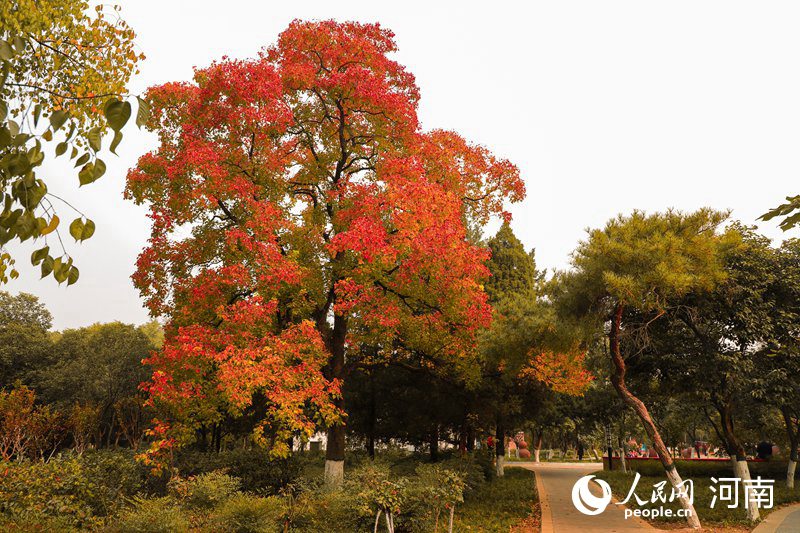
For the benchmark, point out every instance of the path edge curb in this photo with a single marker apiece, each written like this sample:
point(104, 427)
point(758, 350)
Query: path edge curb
point(546, 518)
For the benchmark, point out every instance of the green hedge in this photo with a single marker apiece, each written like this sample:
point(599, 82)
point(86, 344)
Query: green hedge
point(687, 468)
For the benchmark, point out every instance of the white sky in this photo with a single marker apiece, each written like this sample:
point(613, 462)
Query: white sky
point(605, 107)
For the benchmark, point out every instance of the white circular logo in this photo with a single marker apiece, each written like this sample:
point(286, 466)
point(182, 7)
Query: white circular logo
point(586, 502)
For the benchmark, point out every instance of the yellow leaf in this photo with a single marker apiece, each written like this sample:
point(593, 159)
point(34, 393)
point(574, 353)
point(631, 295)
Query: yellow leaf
point(51, 227)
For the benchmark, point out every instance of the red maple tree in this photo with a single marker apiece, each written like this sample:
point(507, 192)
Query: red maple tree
point(297, 210)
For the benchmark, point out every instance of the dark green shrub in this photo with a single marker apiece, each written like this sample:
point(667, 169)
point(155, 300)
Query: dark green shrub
point(244, 513)
point(472, 470)
point(258, 472)
point(77, 489)
point(694, 468)
point(152, 515)
point(204, 491)
point(333, 511)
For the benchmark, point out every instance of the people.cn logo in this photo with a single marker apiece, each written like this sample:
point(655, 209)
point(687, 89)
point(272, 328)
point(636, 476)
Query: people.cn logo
point(586, 502)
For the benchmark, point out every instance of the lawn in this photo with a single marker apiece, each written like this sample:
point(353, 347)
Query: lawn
point(720, 515)
point(505, 503)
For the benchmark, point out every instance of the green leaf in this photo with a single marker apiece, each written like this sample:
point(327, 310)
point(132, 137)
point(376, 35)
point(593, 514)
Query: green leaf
point(88, 230)
point(81, 160)
point(57, 119)
point(3, 110)
point(143, 113)
point(99, 168)
point(19, 43)
point(73, 275)
point(47, 266)
point(76, 229)
point(91, 172)
point(37, 112)
point(61, 148)
point(115, 142)
point(81, 230)
point(94, 138)
point(117, 113)
point(39, 255)
point(86, 174)
point(6, 52)
point(73, 153)
point(60, 271)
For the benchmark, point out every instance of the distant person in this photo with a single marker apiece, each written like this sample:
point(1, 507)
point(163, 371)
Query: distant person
point(764, 450)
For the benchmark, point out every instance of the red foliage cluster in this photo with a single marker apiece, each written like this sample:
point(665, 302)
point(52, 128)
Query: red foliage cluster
point(298, 209)
point(562, 372)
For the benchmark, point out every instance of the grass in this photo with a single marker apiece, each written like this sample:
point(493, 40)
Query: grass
point(720, 515)
point(500, 505)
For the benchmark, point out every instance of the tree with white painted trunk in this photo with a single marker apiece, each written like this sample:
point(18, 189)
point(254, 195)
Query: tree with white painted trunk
point(778, 384)
point(628, 275)
point(719, 348)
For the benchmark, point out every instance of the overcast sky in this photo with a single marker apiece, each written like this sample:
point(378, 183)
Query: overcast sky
point(605, 107)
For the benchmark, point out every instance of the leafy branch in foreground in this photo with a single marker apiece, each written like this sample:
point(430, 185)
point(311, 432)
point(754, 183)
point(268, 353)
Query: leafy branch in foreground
point(63, 77)
point(790, 210)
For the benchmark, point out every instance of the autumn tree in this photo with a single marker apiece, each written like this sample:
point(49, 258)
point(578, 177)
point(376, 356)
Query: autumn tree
point(298, 212)
point(628, 274)
point(63, 77)
point(524, 350)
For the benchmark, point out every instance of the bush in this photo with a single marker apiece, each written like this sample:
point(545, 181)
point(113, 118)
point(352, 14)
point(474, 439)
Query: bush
point(472, 470)
point(333, 511)
point(256, 470)
point(77, 489)
point(244, 513)
point(434, 492)
point(152, 515)
point(204, 491)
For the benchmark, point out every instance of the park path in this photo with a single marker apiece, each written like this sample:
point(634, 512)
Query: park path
point(785, 520)
point(554, 482)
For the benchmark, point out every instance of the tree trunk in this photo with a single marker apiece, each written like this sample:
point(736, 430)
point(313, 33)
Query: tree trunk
point(794, 441)
point(500, 447)
point(372, 416)
point(433, 442)
point(334, 451)
point(537, 444)
point(618, 380)
point(470, 438)
point(738, 457)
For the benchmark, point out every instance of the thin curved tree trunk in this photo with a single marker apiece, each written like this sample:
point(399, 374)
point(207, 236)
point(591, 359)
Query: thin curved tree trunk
point(618, 380)
point(452, 512)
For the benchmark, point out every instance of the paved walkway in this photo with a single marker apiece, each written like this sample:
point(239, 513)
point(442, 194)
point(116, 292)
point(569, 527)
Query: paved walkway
point(785, 520)
point(554, 482)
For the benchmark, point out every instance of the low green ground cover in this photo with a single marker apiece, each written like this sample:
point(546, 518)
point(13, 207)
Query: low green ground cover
point(242, 491)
